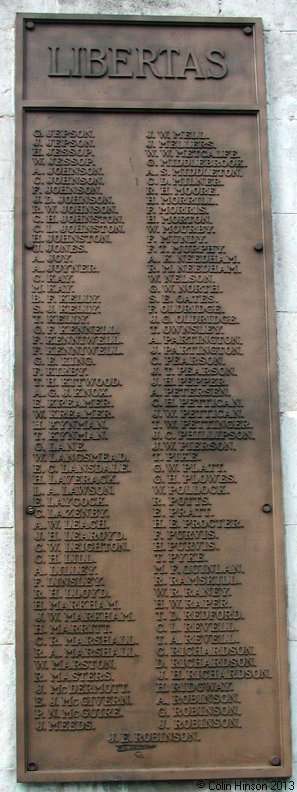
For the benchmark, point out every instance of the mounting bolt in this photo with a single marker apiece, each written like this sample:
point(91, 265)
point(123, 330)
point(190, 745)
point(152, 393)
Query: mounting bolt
point(259, 247)
point(29, 245)
point(267, 508)
point(275, 761)
point(30, 509)
point(30, 26)
point(248, 30)
point(32, 766)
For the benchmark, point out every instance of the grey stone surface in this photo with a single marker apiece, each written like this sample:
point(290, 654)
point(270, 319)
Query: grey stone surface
point(7, 707)
point(7, 627)
point(8, 783)
point(287, 358)
point(291, 552)
point(285, 231)
point(165, 786)
point(276, 14)
point(6, 138)
point(293, 677)
point(281, 74)
point(7, 780)
point(184, 7)
point(9, 8)
point(17, 787)
point(7, 185)
point(6, 71)
point(282, 136)
point(208, 786)
point(168, 786)
point(6, 248)
point(6, 424)
point(6, 318)
point(289, 466)
point(7, 489)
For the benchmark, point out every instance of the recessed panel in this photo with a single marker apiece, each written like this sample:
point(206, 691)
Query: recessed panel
point(98, 60)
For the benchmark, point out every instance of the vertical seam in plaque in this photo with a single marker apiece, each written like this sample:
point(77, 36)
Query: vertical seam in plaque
point(255, 61)
point(24, 63)
point(19, 441)
point(24, 439)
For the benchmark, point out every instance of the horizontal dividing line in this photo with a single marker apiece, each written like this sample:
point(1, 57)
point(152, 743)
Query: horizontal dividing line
point(132, 107)
point(107, 775)
point(126, 19)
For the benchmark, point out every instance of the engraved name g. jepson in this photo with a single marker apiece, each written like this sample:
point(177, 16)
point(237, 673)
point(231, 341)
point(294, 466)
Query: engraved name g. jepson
point(163, 63)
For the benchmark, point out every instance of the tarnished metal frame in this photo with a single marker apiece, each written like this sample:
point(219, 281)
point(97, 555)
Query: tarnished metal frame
point(20, 405)
point(127, 19)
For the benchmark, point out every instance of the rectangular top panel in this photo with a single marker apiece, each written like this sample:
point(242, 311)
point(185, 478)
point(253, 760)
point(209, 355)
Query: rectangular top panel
point(139, 61)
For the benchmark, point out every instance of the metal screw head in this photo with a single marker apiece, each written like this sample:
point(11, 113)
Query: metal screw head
point(30, 509)
point(275, 761)
point(267, 508)
point(258, 247)
point(248, 30)
point(30, 25)
point(29, 245)
point(32, 766)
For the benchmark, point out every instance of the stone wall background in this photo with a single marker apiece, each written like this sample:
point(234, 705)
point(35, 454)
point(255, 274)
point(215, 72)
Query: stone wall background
point(280, 24)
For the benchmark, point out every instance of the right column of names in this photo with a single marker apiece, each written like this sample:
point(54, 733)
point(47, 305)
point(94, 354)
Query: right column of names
point(194, 345)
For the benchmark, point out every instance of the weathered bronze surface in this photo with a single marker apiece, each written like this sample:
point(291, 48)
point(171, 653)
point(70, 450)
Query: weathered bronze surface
point(151, 608)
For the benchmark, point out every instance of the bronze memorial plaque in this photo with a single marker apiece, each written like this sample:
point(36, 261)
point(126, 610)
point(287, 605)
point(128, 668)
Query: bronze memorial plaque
point(151, 606)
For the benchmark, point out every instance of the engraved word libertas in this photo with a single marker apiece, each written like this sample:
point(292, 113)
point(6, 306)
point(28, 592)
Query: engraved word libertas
point(165, 63)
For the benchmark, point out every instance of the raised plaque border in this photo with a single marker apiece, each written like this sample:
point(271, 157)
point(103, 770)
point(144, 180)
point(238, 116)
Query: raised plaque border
point(23, 106)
